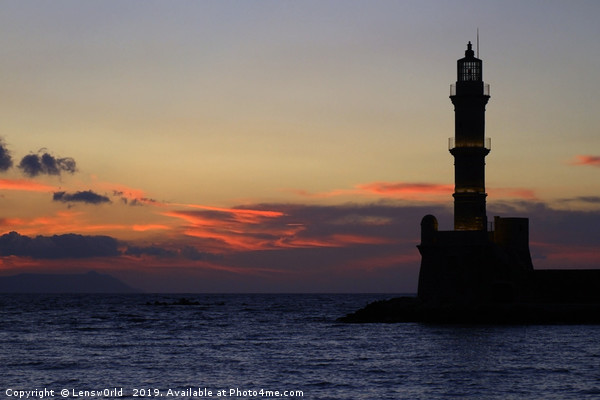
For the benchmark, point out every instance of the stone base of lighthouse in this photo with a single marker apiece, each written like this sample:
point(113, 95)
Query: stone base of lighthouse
point(487, 277)
point(470, 267)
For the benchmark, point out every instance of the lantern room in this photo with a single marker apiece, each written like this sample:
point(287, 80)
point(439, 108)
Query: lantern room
point(469, 67)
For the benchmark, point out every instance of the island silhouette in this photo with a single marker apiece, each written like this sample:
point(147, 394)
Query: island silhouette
point(90, 282)
point(482, 270)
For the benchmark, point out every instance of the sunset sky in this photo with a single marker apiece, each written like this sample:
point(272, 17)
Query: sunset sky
point(285, 146)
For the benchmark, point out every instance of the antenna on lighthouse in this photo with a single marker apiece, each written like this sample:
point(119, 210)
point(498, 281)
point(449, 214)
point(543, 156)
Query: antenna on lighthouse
point(477, 42)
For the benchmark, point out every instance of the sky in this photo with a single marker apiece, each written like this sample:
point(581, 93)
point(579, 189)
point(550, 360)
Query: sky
point(285, 146)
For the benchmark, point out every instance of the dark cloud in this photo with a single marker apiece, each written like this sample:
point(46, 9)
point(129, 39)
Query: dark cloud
point(589, 199)
point(192, 253)
point(58, 246)
point(45, 163)
point(565, 227)
point(139, 201)
point(87, 196)
point(6, 161)
point(80, 246)
point(186, 252)
point(583, 199)
point(555, 225)
point(156, 251)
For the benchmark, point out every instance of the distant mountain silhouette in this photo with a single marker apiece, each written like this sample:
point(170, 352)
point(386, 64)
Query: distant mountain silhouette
point(90, 282)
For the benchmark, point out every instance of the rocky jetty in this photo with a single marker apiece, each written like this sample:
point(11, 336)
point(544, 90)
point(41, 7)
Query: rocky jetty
point(412, 309)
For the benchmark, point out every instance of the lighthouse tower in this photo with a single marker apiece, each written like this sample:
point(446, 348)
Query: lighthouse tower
point(469, 146)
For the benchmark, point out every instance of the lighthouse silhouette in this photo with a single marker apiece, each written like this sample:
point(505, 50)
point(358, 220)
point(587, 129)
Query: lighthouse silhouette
point(476, 261)
point(469, 146)
point(482, 272)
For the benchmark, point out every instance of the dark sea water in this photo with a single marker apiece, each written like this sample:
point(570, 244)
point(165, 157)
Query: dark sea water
point(238, 345)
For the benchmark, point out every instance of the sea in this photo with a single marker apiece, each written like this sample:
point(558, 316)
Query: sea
point(259, 346)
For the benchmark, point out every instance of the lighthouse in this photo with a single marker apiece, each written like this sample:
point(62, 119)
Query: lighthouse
point(478, 273)
point(473, 262)
point(469, 146)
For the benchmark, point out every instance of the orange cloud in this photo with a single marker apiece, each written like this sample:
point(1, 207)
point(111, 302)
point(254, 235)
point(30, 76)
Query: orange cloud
point(150, 227)
point(404, 189)
point(335, 240)
point(228, 240)
point(235, 229)
point(69, 221)
point(587, 160)
point(25, 185)
point(242, 215)
point(224, 229)
point(397, 190)
point(62, 221)
point(414, 191)
point(20, 263)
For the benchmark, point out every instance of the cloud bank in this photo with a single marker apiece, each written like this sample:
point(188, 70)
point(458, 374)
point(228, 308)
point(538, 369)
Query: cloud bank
point(6, 161)
point(45, 163)
point(300, 247)
point(58, 246)
point(86, 196)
